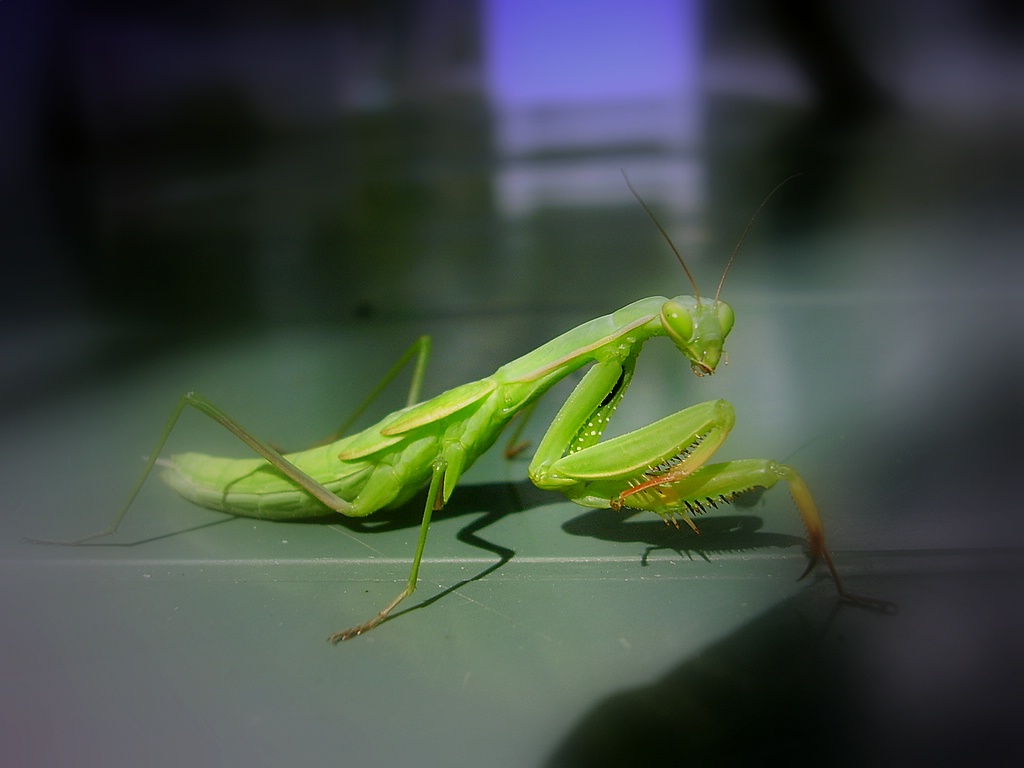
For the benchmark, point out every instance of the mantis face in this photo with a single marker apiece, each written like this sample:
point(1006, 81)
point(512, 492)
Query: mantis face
point(698, 328)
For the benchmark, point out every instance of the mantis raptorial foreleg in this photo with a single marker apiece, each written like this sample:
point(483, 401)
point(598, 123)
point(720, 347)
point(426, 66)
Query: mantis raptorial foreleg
point(662, 467)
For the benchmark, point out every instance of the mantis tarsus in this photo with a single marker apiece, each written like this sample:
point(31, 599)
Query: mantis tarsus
point(661, 467)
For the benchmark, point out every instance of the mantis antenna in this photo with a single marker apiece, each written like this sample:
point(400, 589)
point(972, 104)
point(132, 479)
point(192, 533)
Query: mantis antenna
point(732, 256)
point(743, 237)
point(696, 291)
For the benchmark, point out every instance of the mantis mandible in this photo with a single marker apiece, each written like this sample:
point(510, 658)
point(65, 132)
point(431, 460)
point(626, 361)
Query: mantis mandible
point(661, 467)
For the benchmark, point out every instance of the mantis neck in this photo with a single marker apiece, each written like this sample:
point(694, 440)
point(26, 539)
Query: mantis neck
point(618, 335)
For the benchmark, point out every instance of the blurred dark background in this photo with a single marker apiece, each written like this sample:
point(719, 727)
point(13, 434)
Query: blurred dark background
point(217, 164)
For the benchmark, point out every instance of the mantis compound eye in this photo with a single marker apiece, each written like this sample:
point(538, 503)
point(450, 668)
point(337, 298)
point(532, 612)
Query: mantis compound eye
point(677, 321)
point(726, 317)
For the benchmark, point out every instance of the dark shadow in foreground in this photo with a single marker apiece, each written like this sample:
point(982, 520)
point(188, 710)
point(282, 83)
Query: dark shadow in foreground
point(772, 691)
point(814, 682)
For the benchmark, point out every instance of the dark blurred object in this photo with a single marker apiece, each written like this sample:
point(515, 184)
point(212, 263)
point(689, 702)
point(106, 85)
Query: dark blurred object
point(229, 164)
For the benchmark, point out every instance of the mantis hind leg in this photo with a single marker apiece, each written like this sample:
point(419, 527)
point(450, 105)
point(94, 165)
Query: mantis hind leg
point(421, 350)
point(204, 406)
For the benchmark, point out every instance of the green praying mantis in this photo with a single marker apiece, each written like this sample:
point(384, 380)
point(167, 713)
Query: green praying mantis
point(662, 467)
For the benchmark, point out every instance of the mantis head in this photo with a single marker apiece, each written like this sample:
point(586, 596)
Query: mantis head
point(698, 328)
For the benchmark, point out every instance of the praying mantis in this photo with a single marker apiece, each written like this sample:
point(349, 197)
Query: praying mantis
point(662, 467)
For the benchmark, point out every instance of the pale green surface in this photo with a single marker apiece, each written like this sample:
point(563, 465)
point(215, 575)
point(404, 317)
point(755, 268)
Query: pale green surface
point(192, 638)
